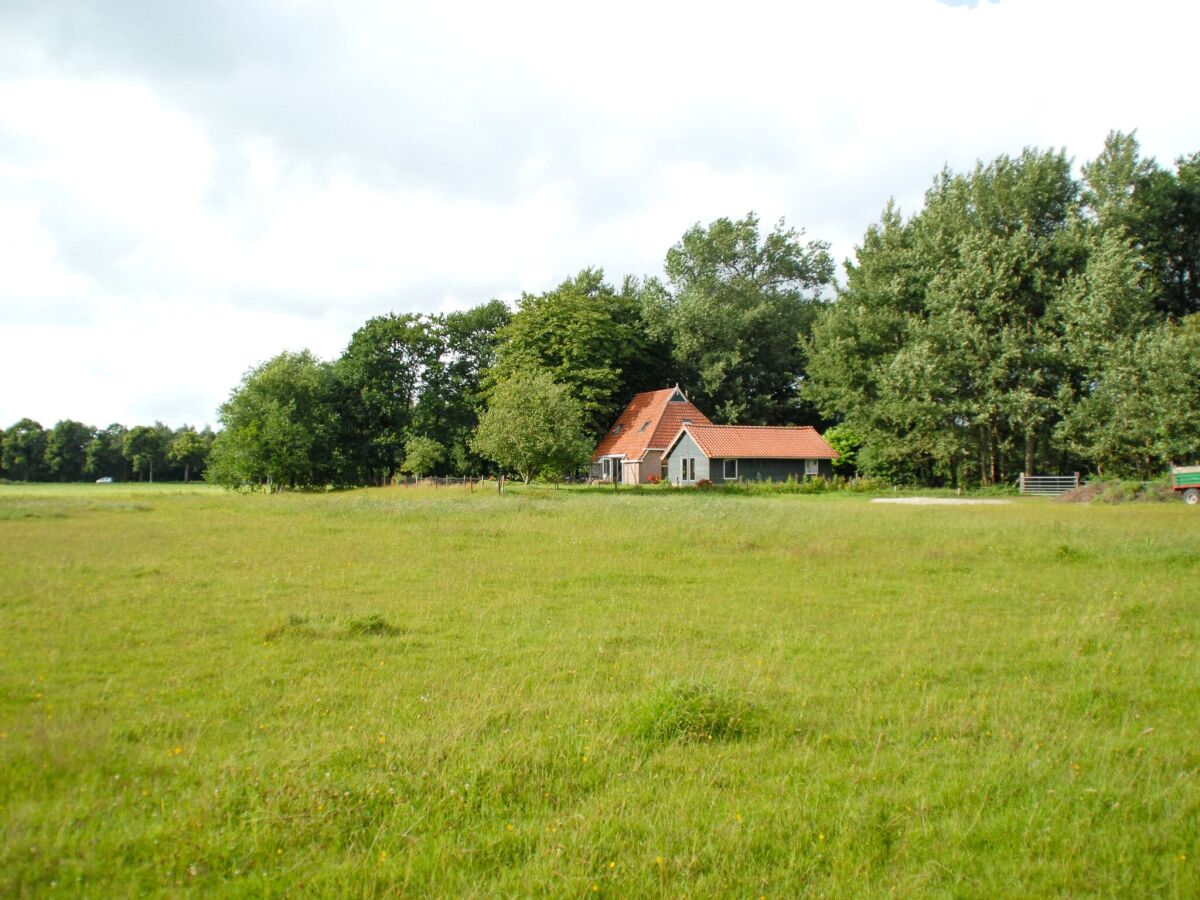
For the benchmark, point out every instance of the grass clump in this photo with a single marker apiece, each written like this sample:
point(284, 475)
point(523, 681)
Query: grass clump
point(373, 625)
point(693, 711)
point(310, 627)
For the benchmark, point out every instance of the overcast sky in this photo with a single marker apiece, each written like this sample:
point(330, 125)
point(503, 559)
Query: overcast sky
point(188, 188)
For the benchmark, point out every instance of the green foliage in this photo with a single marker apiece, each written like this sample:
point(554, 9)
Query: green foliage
point(807, 486)
point(422, 455)
point(1159, 210)
point(846, 441)
point(1006, 327)
point(450, 404)
point(278, 425)
point(404, 374)
point(24, 450)
point(66, 450)
point(105, 455)
point(1139, 413)
point(379, 378)
point(190, 450)
point(145, 447)
point(693, 711)
point(532, 424)
point(742, 304)
point(587, 336)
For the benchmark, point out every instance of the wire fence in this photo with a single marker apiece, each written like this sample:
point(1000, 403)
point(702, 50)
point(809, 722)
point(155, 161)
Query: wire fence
point(466, 481)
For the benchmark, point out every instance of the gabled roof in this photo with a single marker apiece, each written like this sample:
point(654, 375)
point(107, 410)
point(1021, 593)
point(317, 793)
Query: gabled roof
point(757, 441)
point(649, 422)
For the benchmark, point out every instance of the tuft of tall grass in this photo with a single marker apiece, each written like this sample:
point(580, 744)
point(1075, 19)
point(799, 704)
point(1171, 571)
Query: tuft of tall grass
point(329, 626)
point(693, 711)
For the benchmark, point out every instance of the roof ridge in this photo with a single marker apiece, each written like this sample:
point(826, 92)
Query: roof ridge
point(714, 425)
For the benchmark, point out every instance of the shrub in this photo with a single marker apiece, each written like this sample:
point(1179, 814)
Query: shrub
point(653, 479)
point(704, 484)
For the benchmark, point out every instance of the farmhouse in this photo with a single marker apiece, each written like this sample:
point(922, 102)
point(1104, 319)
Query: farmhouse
point(662, 435)
point(632, 450)
point(720, 453)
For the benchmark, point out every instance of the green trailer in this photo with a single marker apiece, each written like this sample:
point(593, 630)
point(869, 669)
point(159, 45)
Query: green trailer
point(1185, 481)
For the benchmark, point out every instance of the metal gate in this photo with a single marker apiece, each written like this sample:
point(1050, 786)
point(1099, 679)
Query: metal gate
point(1048, 485)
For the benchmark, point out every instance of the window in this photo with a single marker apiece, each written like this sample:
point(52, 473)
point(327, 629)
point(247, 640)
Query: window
point(731, 470)
point(645, 425)
point(812, 467)
point(606, 467)
point(687, 468)
point(616, 429)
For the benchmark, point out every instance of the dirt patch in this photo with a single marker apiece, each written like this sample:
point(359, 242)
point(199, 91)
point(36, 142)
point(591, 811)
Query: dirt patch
point(1117, 492)
point(940, 501)
point(1085, 493)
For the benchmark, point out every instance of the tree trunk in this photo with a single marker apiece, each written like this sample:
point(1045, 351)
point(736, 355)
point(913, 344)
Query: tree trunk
point(983, 458)
point(1030, 447)
point(187, 471)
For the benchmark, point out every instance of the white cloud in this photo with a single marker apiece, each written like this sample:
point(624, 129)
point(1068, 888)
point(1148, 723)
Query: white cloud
point(288, 170)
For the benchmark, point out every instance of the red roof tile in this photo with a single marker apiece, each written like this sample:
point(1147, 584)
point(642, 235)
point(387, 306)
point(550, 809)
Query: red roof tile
point(649, 422)
point(759, 442)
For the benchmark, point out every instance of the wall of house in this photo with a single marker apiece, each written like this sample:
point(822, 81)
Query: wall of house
point(651, 464)
point(631, 472)
point(686, 447)
point(768, 469)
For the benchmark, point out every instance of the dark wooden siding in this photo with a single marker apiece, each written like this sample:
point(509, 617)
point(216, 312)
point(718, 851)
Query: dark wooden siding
point(769, 469)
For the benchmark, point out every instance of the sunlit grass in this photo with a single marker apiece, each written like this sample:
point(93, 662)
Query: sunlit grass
point(449, 692)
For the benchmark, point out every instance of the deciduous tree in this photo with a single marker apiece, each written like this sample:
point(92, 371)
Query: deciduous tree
point(422, 455)
point(66, 449)
point(278, 427)
point(741, 305)
point(145, 447)
point(588, 337)
point(188, 449)
point(532, 424)
point(25, 450)
point(379, 378)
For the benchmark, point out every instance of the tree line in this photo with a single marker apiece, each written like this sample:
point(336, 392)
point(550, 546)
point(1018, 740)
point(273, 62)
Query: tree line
point(1023, 319)
point(73, 451)
point(529, 391)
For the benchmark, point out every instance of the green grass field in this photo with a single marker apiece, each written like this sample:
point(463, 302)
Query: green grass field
point(420, 692)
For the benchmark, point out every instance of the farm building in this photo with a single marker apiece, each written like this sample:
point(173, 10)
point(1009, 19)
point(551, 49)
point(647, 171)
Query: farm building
point(720, 453)
point(632, 450)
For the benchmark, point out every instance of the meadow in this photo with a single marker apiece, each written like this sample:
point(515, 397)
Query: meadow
point(561, 693)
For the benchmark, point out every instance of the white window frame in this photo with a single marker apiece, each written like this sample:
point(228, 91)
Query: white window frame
point(812, 467)
point(687, 463)
point(725, 470)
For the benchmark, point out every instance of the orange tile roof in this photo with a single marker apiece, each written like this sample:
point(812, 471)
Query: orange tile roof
point(649, 422)
point(759, 442)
